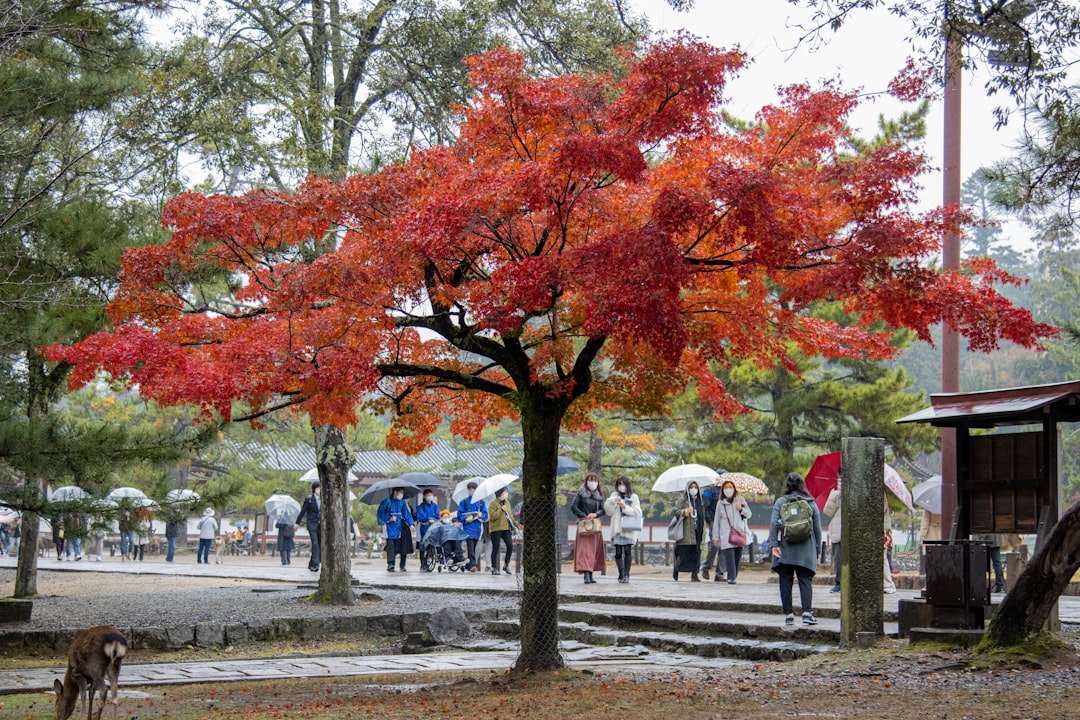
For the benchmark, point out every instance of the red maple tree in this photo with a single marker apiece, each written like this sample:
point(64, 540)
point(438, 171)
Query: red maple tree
point(588, 242)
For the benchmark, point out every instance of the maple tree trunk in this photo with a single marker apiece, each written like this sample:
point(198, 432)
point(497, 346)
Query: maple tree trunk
point(540, 580)
point(333, 460)
point(1026, 608)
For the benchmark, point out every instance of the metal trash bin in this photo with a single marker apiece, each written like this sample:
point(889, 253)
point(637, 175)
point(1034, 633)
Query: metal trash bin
point(958, 583)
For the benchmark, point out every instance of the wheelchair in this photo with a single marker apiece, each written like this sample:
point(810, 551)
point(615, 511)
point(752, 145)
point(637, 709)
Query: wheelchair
point(434, 558)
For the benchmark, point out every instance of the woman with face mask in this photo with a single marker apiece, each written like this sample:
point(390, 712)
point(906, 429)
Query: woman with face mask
point(623, 503)
point(732, 512)
point(588, 505)
point(500, 530)
point(688, 549)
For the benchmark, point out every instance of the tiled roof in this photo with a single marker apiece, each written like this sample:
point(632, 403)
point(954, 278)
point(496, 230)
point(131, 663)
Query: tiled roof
point(441, 459)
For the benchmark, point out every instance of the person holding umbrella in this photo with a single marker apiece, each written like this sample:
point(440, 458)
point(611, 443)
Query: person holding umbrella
point(396, 519)
point(688, 547)
point(730, 528)
point(472, 514)
point(500, 529)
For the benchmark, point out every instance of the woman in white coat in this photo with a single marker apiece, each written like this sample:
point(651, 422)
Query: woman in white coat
point(732, 512)
point(624, 509)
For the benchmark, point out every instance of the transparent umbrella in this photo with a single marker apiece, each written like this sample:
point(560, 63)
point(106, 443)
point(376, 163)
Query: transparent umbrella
point(676, 479)
point(282, 507)
point(487, 489)
point(182, 496)
point(68, 493)
point(461, 490)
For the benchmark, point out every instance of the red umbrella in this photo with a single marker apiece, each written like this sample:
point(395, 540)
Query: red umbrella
point(822, 477)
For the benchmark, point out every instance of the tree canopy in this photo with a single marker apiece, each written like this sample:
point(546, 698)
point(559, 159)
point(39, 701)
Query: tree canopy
point(588, 241)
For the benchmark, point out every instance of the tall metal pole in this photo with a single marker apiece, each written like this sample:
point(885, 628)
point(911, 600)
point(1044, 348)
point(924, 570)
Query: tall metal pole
point(950, 341)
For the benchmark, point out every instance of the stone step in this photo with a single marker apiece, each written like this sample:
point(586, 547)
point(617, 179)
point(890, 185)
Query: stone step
point(710, 623)
point(674, 643)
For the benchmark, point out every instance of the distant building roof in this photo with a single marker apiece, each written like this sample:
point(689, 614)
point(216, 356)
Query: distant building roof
point(441, 459)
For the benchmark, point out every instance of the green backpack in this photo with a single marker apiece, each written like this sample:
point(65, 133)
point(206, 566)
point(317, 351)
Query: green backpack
point(796, 520)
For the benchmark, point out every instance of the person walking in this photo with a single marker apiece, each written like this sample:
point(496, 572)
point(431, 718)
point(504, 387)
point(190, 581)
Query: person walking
point(172, 530)
point(794, 539)
point(74, 525)
point(286, 530)
point(832, 509)
point(588, 507)
point(396, 519)
point(144, 529)
point(710, 496)
point(688, 547)
point(501, 525)
point(58, 535)
point(207, 531)
point(311, 511)
point(126, 525)
point(730, 530)
point(471, 515)
point(624, 509)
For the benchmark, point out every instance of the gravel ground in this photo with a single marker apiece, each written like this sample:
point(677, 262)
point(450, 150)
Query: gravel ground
point(79, 600)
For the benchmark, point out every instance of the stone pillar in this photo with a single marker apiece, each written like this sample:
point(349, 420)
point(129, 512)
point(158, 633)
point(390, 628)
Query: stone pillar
point(862, 468)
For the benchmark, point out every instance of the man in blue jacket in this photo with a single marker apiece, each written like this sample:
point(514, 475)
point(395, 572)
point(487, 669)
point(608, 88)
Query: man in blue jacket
point(472, 514)
point(427, 513)
point(394, 515)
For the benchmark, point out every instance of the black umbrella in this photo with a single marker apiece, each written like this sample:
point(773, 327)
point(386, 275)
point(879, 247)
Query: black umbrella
point(565, 466)
point(381, 490)
point(422, 479)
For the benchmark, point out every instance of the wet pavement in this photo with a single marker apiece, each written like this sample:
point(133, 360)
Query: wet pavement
point(651, 591)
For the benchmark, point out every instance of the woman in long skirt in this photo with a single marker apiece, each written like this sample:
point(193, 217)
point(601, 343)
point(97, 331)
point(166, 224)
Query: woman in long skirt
point(588, 507)
point(688, 549)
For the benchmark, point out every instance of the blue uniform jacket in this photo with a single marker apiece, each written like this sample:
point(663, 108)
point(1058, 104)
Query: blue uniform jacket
point(398, 508)
point(467, 507)
point(425, 513)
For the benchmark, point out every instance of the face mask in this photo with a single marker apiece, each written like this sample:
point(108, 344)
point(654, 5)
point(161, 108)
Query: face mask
point(591, 485)
point(445, 521)
point(622, 488)
point(729, 493)
point(693, 492)
point(427, 498)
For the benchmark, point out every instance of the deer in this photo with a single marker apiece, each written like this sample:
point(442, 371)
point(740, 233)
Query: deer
point(94, 655)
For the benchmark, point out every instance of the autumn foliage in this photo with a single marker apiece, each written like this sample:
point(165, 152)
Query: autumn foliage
point(571, 209)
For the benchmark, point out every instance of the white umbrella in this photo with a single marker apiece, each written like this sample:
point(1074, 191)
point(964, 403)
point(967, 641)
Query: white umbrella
point(313, 474)
point(461, 490)
point(181, 496)
point(133, 497)
point(676, 479)
point(282, 506)
point(927, 494)
point(68, 493)
point(486, 490)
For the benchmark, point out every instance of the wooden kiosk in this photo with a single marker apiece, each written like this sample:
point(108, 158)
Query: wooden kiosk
point(1005, 483)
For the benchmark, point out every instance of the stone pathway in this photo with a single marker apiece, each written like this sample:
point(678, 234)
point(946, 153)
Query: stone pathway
point(184, 673)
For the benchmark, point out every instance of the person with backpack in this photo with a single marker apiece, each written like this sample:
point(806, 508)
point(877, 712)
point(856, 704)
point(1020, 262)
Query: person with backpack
point(794, 539)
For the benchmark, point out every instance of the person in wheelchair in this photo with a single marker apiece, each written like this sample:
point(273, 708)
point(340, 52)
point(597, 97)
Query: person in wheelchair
point(441, 545)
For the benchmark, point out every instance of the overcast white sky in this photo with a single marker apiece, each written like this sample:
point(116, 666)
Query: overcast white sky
point(866, 53)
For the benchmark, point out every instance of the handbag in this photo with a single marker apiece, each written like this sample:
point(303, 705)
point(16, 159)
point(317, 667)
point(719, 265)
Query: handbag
point(588, 526)
point(735, 536)
point(675, 529)
point(631, 523)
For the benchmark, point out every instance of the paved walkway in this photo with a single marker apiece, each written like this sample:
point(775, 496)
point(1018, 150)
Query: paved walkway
point(649, 587)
